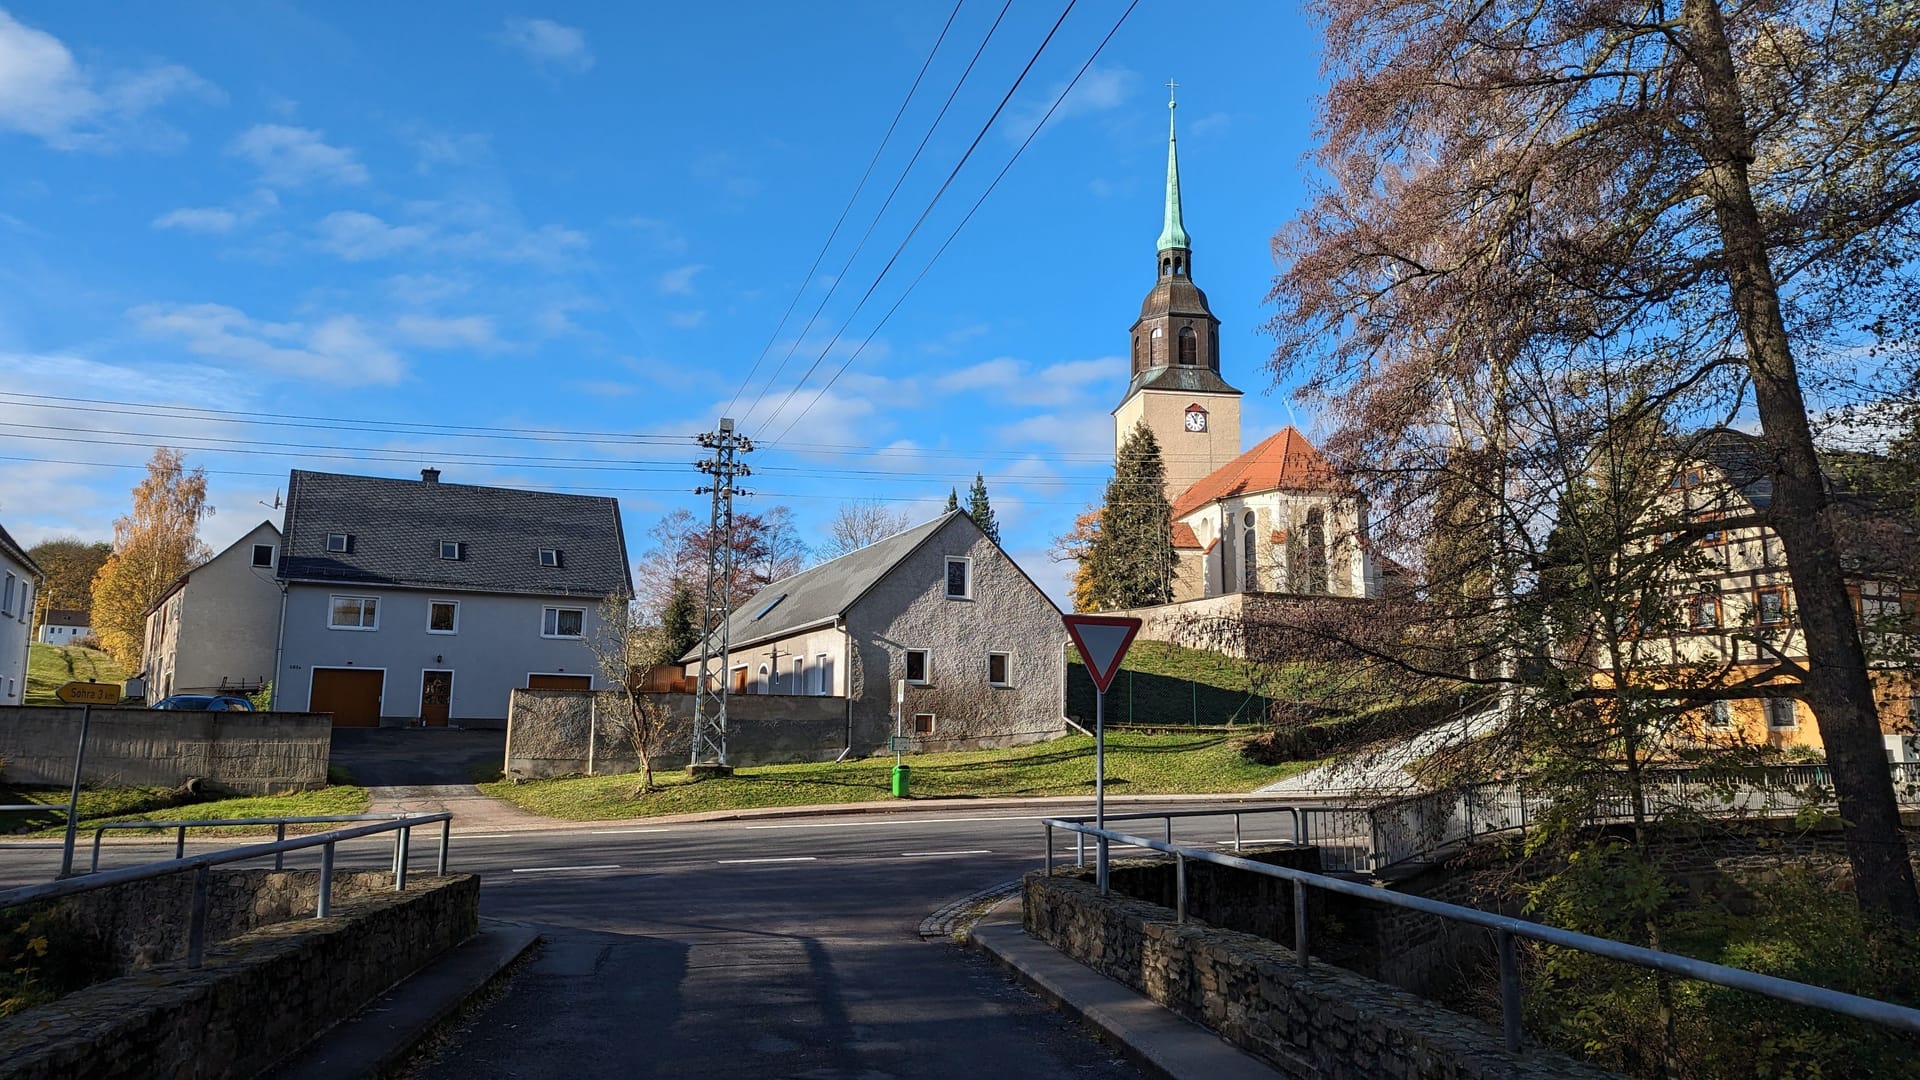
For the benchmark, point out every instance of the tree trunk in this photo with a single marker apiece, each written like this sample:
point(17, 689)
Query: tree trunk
point(1837, 687)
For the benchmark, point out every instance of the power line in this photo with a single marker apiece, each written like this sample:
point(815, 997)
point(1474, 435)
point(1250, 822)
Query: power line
point(880, 213)
point(922, 219)
point(969, 215)
point(801, 289)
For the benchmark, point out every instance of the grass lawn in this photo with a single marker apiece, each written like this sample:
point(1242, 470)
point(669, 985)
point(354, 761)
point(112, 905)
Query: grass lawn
point(1136, 765)
point(49, 667)
point(163, 804)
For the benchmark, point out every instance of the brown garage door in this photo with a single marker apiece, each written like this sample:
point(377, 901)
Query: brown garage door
point(559, 682)
point(351, 695)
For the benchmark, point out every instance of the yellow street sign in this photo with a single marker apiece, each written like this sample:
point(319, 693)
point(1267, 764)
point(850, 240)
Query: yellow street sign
point(89, 693)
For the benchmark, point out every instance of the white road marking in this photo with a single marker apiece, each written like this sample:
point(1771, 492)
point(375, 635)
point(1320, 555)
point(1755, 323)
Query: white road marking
point(623, 832)
point(909, 821)
point(559, 869)
point(487, 835)
point(787, 858)
point(929, 854)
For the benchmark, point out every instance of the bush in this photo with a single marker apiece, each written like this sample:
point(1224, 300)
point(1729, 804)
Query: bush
point(262, 699)
point(43, 956)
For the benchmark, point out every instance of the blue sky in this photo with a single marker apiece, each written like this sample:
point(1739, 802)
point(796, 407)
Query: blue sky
point(541, 246)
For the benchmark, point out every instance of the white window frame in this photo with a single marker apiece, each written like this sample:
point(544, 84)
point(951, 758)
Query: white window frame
point(1006, 669)
point(946, 584)
point(458, 547)
point(550, 558)
point(268, 565)
point(333, 601)
point(344, 545)
point(1882, 601)
point(926, 667)
point(556, 623)
point(431, 604)
point(1773, 706)
point(932, 720)
point(818, 673)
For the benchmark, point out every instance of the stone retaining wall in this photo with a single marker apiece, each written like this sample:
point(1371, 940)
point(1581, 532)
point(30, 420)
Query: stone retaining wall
point(253, 752)
point(1327, 1022)
point(579, 732)
point(259, 997)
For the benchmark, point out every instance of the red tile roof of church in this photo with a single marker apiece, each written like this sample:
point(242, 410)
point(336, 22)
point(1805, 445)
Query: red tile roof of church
point(1286, 461)
point(1184, 536)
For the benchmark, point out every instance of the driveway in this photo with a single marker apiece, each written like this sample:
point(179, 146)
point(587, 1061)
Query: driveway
point(427, 770)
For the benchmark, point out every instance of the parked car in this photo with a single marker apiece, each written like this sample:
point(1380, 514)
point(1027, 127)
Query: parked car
point(204, 703)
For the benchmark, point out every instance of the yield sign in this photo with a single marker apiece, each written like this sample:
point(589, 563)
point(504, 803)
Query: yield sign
point(1102, 641)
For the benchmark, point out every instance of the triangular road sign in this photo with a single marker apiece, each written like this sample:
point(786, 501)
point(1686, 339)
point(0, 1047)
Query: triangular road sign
point(1102, 641)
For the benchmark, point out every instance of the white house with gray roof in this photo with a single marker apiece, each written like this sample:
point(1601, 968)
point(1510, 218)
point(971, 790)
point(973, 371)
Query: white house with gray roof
point(19, 577)
point(980, 646)
point(414, 601)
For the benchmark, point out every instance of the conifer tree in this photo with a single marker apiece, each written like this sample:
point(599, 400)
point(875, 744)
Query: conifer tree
point(980, 510)
point(1131, 561)
point(953, 499)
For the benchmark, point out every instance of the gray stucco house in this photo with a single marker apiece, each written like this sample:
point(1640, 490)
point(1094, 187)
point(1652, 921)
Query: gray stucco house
point(213, 630)
point(414, 601)
point(941, 606)
point(19, 576)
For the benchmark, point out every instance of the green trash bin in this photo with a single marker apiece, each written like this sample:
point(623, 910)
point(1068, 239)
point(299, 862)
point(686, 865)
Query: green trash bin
point(902, 774)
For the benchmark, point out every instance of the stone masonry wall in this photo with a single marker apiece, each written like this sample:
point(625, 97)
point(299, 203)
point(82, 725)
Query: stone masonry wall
point(547, 732)
point(1326, 1022)
point(258, 998)
point(254, 752)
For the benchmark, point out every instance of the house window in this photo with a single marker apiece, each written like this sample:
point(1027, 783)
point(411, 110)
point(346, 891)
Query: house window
point(1879, 600)
point(563, 622)
point(959, 577)
point(1772, 606)
point(1703, 612)
point(923, 723)
point(443, 617)
point(917, 666)
point(550, 557)
point(1686, 478)
point(997, 669)
point(798, 686)
point(453, 550)
point(339, 543)
point(819, 675)
point(1720, 715)
point(354, 613)
point(263, 555)
point(1780, 713)
point(1712, 532)
point(6, 599)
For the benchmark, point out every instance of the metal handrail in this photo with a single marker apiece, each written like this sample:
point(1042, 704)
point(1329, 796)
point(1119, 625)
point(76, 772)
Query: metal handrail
point(1505, 928)
point(61, 807)
point(202, 866)
point(180, 838)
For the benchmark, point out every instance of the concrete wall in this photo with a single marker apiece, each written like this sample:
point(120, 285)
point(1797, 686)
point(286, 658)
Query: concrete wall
point(496, 645)
point(15, 619)
point(244, 751)
point(1324, 1022)
point(260, 997)
point(219, 626)
point(548, 732)
point(1007, 613)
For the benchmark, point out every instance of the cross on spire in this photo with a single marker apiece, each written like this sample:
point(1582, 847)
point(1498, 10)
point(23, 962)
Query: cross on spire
point(1171, 87)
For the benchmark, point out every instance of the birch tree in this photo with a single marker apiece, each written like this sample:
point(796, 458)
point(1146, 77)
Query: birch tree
point(152, 545)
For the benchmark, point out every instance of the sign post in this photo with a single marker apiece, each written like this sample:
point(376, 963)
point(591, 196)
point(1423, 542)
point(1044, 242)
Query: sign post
point(1102, 641)
point(86, 695)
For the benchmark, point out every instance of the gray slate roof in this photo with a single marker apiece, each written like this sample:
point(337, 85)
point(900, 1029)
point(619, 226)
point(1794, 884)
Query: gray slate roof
point(815, 596)
point(397, 527)
point(1179, 378)
point(16, 552)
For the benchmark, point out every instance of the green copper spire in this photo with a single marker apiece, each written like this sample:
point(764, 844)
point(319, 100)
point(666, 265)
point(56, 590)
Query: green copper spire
point(1174, 235)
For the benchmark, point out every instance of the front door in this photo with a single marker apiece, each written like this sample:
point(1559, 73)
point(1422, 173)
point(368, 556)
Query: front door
point(352, 695)
point(436, 693)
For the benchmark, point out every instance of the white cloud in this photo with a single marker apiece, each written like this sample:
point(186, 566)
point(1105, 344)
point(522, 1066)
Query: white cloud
point(1100, 89)
point(295, 157)
point(551, 46)
point(679, 282)
point(435, 332)
point(1065, 383)
point(336, 350)
point(441, 148)
point(219, 219)
point(421, 290)
point(687, 320)
point(1214, 123)
point(1075, 432)
point(664, 237)
point(357, 236)
point(464, 230)
point(46, 94)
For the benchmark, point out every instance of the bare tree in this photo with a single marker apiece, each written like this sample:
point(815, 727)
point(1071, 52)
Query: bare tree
point(622, 651)
point(858, 523)
point(1701, 198)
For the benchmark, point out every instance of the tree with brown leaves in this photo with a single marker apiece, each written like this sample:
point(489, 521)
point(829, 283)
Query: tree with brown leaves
point(1703, 199)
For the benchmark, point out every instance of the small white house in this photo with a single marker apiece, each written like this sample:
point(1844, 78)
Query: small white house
point(64, 626)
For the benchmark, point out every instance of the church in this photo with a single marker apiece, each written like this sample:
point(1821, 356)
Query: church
point(1271, 519)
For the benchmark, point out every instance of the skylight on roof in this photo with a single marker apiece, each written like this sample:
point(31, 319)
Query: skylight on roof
point(771, 604)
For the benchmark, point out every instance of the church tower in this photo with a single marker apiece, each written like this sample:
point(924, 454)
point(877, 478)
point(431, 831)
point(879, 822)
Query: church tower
point(1176, 388)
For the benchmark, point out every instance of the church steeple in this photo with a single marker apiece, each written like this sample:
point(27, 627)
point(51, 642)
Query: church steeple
point(1173, 237)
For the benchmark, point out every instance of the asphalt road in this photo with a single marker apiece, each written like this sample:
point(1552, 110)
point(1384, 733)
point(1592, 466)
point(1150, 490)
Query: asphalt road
point(784, 947)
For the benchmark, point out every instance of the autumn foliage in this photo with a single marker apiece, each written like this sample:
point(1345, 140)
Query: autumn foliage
point(152, 545)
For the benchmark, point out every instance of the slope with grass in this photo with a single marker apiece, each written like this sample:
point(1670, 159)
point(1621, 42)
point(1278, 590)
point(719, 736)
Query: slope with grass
point(1136, 765)
point(101, 805)
point(49, 667)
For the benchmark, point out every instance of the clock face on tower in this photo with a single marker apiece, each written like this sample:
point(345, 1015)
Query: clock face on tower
point(1196, 418)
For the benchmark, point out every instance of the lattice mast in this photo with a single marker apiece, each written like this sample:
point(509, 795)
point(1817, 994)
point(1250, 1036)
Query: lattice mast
point(710, 691)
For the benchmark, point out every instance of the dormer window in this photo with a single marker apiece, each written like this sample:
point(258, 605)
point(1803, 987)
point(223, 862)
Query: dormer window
point(339, 543)
point(550, 557)
point(453, 550)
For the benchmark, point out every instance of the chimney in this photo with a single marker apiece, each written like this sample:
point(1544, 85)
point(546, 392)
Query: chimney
point(429, 476)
